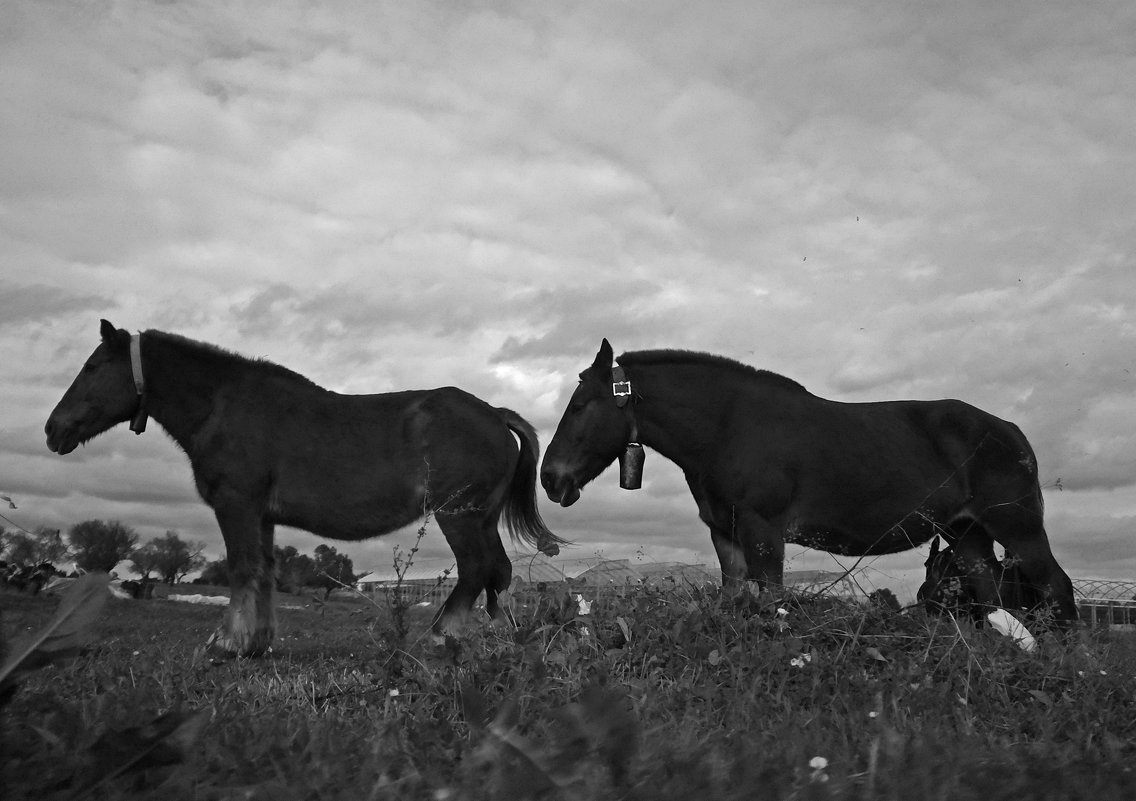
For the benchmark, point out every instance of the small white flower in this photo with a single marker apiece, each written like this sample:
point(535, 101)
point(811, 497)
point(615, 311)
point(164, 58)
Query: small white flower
point(873, 714)
point(782, 612)
point(394, 693)
point(818, 764)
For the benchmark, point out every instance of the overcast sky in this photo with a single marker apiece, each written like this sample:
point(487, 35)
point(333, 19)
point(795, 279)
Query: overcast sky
point(879, 200)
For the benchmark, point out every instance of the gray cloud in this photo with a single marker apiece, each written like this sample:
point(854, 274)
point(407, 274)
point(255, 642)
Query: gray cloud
point(390, 196)
point(39, 304)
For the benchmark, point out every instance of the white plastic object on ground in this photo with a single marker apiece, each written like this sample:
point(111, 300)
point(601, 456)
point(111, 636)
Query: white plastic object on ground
point(1005, 623)
point(214, 600)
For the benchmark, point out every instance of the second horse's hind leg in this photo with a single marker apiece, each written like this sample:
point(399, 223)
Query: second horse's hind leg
point(1043, 574)
point(1025, 537)
point(475, 564)
point(499, 577)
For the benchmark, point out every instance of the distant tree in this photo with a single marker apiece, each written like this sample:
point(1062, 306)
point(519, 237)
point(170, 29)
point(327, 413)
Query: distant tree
point(173, 557)
point(294, 570)
point(42, 545)
point(333, 570)
point(19, 548)
point(215, 573)
point(100, 545)
point(145, 560)
point(50, 545)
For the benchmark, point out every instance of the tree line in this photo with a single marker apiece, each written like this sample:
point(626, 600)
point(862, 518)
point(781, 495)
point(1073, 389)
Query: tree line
point(326, 569)
point(98, 545)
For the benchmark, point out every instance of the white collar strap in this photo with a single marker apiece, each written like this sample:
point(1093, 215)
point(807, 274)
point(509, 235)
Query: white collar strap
point(138, 421)
point(136, 363)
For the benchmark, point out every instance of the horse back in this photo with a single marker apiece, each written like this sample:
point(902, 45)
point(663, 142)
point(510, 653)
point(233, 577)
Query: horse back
point(871, 477)
point(990, 452)
point(351, 466)
point(878, 443)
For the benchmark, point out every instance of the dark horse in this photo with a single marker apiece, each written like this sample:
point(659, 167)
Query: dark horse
point(269, 447)
point(769, 463)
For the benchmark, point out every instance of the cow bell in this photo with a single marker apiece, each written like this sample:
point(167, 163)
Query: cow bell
point(631, 466)
point(138, 421)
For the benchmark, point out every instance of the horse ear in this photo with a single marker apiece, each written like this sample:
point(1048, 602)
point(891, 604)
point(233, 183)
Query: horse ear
point(106, 330)
point(604, 356)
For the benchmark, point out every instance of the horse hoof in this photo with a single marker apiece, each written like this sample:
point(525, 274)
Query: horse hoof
point(219, 648)
point(222, 647)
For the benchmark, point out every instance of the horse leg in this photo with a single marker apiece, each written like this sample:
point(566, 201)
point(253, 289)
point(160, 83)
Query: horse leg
point(731, 556)
point(498, 570)
point(250, 621)
point(1041, 571)
point(1018, 527)
point(500, 575)
point(475, 564)
point(764, 548)
point(718, 518)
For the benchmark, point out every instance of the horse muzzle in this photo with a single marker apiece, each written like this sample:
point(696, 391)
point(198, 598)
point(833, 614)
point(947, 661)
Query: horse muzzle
point(61, 439)
point(559, 487)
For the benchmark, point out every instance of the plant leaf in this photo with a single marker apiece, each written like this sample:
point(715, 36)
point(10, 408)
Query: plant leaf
point(874, 652)
point(623, 627)
point(65, 634)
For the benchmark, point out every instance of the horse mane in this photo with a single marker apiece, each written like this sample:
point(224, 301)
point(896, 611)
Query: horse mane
point(219, 358)
point(691, 357)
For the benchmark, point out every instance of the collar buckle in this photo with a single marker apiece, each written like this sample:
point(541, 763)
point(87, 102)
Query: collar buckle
point(620, 386)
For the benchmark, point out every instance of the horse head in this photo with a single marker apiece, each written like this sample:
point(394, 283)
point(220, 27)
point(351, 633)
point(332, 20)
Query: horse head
point(593, 432)
point(102, 395)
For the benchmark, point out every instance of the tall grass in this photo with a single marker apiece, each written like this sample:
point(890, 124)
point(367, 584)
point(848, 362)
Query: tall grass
point(662, 694)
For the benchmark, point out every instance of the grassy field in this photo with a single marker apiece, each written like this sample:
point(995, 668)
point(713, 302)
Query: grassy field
point(675, 694)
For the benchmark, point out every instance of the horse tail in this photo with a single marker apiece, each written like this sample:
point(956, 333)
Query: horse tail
point(520, 514)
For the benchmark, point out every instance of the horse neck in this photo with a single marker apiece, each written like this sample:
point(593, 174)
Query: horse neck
point(181, 381)
point(682, 412)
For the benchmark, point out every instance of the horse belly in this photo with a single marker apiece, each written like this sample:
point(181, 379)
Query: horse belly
point(348, 496)
point(893, 512)
point(867, 540)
